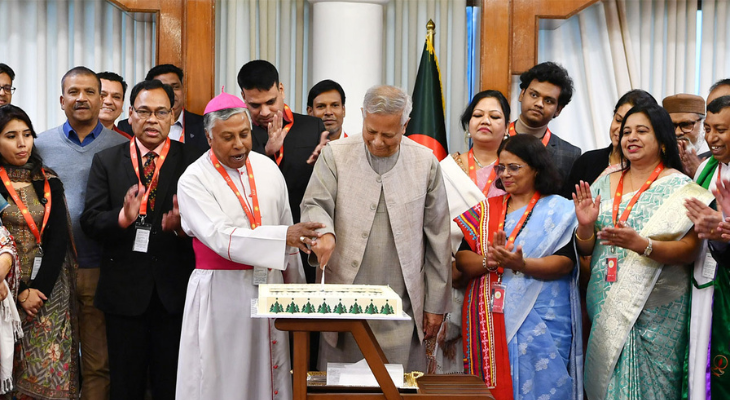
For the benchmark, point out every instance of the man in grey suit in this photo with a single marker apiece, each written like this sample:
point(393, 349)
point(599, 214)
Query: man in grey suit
point(391, 227)
point(546, 90)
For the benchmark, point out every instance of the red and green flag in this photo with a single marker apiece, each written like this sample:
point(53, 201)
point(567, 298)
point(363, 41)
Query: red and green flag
point(427, 125)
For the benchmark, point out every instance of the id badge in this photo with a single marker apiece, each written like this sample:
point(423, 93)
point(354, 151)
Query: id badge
point(259, 275)
point(141, 237)
point(36, 266)
point(708, 268)
point(611, 269)
point(498, 298)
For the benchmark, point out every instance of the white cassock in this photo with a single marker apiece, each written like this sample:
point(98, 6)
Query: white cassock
point(224, 353)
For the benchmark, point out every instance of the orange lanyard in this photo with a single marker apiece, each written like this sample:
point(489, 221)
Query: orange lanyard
point(182, 123)
point(511, 239)
point(158, 166)
point(255, 217)
point(620, 188)
point(545, 137)
point(24, 209)
point(518, 227)
point(473, 173)
point(288, 115)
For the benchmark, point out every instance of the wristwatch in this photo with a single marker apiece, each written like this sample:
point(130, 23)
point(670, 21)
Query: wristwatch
point(647, 251)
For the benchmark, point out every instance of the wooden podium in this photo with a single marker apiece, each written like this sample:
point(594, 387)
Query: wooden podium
point(457, 387)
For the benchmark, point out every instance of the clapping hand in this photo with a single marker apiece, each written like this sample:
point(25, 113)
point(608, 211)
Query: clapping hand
point(277, 134)
point(500, 253)
point(706, 219)
point(586, 208)
point(323, 140)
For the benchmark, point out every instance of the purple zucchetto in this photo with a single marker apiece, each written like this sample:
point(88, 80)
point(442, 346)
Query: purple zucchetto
point(224, 101)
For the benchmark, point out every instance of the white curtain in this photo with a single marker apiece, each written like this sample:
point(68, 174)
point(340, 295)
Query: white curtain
point(43, 39)
point(715, 48)
point(618, 45)
point(404, 39)
point(279, 31)
point(274, 30)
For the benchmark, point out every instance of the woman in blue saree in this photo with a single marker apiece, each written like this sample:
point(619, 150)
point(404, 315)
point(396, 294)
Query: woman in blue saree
point(521, 317)
point(634, 224)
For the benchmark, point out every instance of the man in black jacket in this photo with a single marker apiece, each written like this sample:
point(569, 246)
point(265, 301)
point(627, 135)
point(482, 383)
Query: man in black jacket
point(131, 208)
point(187, 127)
point(292, 140)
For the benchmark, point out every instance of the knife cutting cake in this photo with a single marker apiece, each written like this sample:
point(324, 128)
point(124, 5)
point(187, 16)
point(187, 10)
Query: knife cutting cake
point(332, 300)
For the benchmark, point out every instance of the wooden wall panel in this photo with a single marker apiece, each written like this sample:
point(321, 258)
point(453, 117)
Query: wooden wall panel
point(510, 33)
point(496, 58)
point(185, 37)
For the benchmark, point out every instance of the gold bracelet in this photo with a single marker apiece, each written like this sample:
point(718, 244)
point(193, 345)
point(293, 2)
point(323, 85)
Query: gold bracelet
point(584, 240)
point(26, 297)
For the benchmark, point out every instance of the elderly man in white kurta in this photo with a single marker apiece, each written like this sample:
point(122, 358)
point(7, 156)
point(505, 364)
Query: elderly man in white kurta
point(382, 200)
point(234, 204)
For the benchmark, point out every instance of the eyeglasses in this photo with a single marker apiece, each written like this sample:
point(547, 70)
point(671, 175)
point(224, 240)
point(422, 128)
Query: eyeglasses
point(512, 168)
point(686, 126)
point(8, 89)
point(146, 114)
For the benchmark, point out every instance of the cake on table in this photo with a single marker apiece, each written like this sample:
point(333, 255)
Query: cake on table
point(328, 300)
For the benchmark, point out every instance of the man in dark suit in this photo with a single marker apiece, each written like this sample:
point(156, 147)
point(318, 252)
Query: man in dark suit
point(187, 126)
point(546, 90)
point(131, 207)
point(292, 140)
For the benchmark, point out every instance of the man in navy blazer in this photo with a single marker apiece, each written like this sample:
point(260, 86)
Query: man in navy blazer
point(146, 257)
point(546, 89)
point(187, 126)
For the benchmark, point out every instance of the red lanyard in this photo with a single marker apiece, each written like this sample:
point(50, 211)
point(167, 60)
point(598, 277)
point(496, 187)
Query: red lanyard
point(288, 115)
point(620, 188)
point(24, 209)
point(473, 173)
point(158, 166)
point(121, 132)
point(545, 137)
point(255, 217)
point(518, 227)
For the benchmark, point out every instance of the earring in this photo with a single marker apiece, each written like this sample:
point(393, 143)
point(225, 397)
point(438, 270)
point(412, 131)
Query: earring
point(664, 150)
point(467, 133)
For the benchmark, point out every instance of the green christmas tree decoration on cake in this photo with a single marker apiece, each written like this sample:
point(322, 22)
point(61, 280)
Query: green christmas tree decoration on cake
point(371, 309)
point(387, 309)
point(292, 307)
point(339, 308)
point(324, 308)
point(355, 308)
point(308, 308)
point(276, 307)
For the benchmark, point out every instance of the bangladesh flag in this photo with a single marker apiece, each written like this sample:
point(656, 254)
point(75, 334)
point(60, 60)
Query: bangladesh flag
point(427, 125)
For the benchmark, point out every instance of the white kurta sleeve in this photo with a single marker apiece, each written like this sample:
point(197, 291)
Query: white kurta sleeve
point(207, 218)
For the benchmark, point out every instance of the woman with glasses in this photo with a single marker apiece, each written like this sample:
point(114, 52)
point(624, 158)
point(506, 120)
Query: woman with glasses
point(45, 366)
point(469, 178)
point(521, 317)
point(634, 225)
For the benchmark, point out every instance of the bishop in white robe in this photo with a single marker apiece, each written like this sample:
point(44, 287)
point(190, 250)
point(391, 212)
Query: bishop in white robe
point(224, 353)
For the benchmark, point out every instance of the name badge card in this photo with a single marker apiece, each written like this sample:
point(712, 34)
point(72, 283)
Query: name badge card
point(708, 268)
point(141, 237)
point(36, 266)
point(259, 275)
point(498, 298)
point(611, 269)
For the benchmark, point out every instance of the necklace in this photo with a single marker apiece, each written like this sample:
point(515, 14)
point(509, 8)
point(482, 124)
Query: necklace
point(478, 163)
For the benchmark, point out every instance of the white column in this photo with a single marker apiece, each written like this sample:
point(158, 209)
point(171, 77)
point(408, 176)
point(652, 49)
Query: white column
point(347, 47)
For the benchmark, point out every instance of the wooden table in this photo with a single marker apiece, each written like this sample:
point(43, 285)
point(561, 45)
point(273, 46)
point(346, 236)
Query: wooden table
point(457, 387)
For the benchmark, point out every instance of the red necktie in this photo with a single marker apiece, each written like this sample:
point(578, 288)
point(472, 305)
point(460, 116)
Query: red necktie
point(149, 170)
